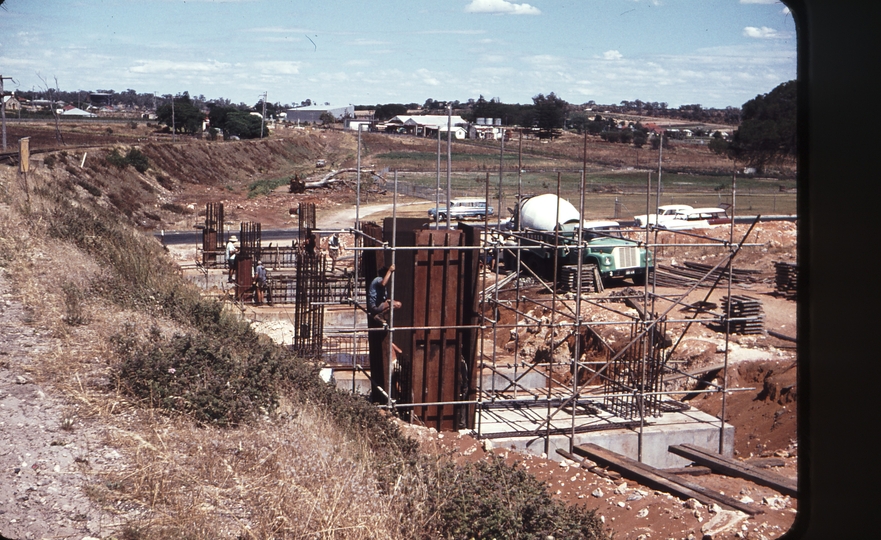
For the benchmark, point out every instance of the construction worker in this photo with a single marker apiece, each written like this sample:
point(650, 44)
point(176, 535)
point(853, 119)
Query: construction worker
point(333, 248)
point(259, 282)
point(231, 251)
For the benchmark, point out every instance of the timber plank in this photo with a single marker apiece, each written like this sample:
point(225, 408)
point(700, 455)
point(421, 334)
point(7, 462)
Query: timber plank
point(660, 480)
point(730, 467)
point(697, 470)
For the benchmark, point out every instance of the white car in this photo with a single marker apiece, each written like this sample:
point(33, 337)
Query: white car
point(698, 218)
point(665, 213)
point(462, 208)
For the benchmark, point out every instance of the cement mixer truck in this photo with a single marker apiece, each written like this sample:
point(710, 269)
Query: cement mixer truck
point(543, 224)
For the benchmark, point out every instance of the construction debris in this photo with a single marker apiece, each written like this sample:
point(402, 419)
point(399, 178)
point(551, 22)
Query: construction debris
point(786, 280)
point(746, 314)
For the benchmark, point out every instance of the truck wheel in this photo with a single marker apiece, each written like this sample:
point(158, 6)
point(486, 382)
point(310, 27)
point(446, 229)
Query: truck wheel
point(639, 279)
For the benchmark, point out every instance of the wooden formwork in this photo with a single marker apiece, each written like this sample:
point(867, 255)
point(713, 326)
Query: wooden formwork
point(438, 289)
point(306, 219)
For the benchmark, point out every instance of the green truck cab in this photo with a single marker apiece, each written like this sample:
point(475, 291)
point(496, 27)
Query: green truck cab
point(541, 229)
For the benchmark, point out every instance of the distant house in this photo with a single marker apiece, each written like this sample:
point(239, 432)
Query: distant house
point(354, 123)
point(100, 99)
point(486, 132)
point(73, 111)
point(47, 104)
point(11, 103)
point(312, 113)
point(428, 125)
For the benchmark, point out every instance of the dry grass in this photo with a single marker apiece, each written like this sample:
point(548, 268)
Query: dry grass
point(294, 476)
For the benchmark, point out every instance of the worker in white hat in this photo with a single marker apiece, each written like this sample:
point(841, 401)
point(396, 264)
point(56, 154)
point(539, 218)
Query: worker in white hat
point(231, 251)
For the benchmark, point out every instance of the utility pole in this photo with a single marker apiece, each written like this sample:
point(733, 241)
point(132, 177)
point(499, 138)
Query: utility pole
point(3, 109)
point(173, 130)
point(449, 161)
point(263, 118)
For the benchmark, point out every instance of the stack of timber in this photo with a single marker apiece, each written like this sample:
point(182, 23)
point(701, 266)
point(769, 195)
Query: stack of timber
point(691, 272)
point(744, 307)
point(786, 279)
point(590, 278)
point(723, 465)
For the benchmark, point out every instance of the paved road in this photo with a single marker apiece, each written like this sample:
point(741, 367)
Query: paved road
point(176, 238)
point(340, 219)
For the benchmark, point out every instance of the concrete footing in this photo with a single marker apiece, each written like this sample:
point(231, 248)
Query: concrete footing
point(522, 429)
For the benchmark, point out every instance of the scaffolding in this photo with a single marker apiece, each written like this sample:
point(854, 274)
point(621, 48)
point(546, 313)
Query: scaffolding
point(455, 355)
point(597, 385)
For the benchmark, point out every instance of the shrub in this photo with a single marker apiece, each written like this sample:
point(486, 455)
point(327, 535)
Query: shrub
point(490, 499)
point(116, 159)
point(176, 208)
point(74, 311)
point(134, 157)
point(88, 187)
point(165, 182)
point(49, 161)
point(265, 187)
point(201, 375)
point(138, 160)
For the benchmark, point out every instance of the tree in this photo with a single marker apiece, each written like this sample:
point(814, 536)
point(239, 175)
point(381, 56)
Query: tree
point(639, 139)
point(596, 126)
point(767, 131)
point(388, 111)
point(186, 118)
point(243, 125)
point(718, 144)
point(272, 109)
point(550, 113)
point(578, 122)
point(326, 118)
point(234, 120)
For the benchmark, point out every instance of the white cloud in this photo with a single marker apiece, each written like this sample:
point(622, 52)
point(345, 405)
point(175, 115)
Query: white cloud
point(540, 59)
point(279, 67)
point(785, 10)
point(425, 76)
point(612, 55)
point(762, 33)
point(165, 66)
point(501, 6)
point(493, 58)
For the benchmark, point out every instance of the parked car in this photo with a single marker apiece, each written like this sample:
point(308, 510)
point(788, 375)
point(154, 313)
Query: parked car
point(665, 213)
point(462, 208)
point(698, 218)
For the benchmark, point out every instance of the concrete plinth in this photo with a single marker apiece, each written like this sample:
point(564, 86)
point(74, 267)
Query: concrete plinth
point(345, 381)
point(658, 433)
point(502, 380)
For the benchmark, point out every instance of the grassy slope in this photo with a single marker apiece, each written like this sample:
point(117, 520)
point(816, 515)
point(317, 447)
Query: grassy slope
point(281, 454)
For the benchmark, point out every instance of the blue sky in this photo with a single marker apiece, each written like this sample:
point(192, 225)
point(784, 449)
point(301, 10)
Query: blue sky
point(713, 52)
